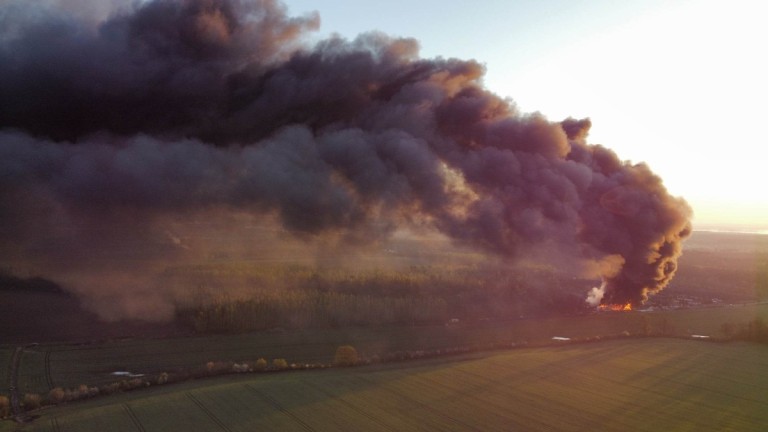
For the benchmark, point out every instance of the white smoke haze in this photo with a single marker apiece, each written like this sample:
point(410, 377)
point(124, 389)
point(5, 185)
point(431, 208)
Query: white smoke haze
point(595, 295)
point(147, 135)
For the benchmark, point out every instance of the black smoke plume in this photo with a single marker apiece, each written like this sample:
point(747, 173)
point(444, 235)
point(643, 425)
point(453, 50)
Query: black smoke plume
point(118, 125)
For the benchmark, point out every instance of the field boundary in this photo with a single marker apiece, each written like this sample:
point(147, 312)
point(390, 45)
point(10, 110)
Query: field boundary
point(210, 414)
point(55, 424)
point(13, 386)
point(275, 404)
point(9, 380)
point(541, 389)
point(48, 377)
point(135, 420)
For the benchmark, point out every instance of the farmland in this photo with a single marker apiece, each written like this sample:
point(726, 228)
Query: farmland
point(67, 365)
point(217, 215)
point(661, 382)
point(646, 384)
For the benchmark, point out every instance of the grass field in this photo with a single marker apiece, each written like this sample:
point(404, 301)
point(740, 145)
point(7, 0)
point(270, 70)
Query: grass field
point(48, 365)
point(639, 384)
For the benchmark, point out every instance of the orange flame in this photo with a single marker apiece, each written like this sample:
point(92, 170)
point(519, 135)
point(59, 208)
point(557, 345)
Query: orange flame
point(615, 307)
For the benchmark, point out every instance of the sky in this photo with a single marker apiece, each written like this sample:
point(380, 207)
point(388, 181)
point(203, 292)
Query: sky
point(677, 85)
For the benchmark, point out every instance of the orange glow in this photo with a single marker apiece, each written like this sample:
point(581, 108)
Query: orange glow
point(615, 307)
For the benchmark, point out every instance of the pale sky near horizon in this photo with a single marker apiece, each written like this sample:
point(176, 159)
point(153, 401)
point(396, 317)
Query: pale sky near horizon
point(680, 85)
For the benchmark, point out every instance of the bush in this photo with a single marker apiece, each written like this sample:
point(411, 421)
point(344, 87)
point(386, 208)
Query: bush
point(31, 401)
point(240, 368)
point(346, 355)
point(132, 384)
point(136, 383)
point(162, 378)
point(5, 406)
point(260, 365)
point(56, 396)
point(280, 364)
point(81, 392)
point(218, 367)
point(110, 388)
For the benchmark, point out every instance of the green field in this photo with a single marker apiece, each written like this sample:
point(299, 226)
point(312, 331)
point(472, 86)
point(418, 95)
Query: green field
point(635, 384)
point(674, 378)
point(51, 365)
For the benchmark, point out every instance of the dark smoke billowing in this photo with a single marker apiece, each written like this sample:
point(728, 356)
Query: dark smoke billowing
point(119, 125)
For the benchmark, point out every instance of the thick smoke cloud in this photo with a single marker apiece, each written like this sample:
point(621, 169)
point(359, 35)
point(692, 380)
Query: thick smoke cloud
point(117, 123)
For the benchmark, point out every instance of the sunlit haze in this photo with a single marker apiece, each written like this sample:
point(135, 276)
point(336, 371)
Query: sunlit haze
point(677, 85)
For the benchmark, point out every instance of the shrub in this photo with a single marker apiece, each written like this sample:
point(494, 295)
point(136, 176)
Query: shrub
point(31, 401)
point(56, 396)
point(132, 384)
point(81, 392)
point(346, 355)
point(5, 406)
point(240, 368)
point(110, 388)
point(162, 378)
point(280, 364)
point(260, 365)
point(218, 367)
point(136, 383)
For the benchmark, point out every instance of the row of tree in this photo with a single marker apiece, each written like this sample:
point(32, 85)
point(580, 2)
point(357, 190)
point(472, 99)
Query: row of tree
point(346, 355)
point(294, 296)
point(301, 309)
